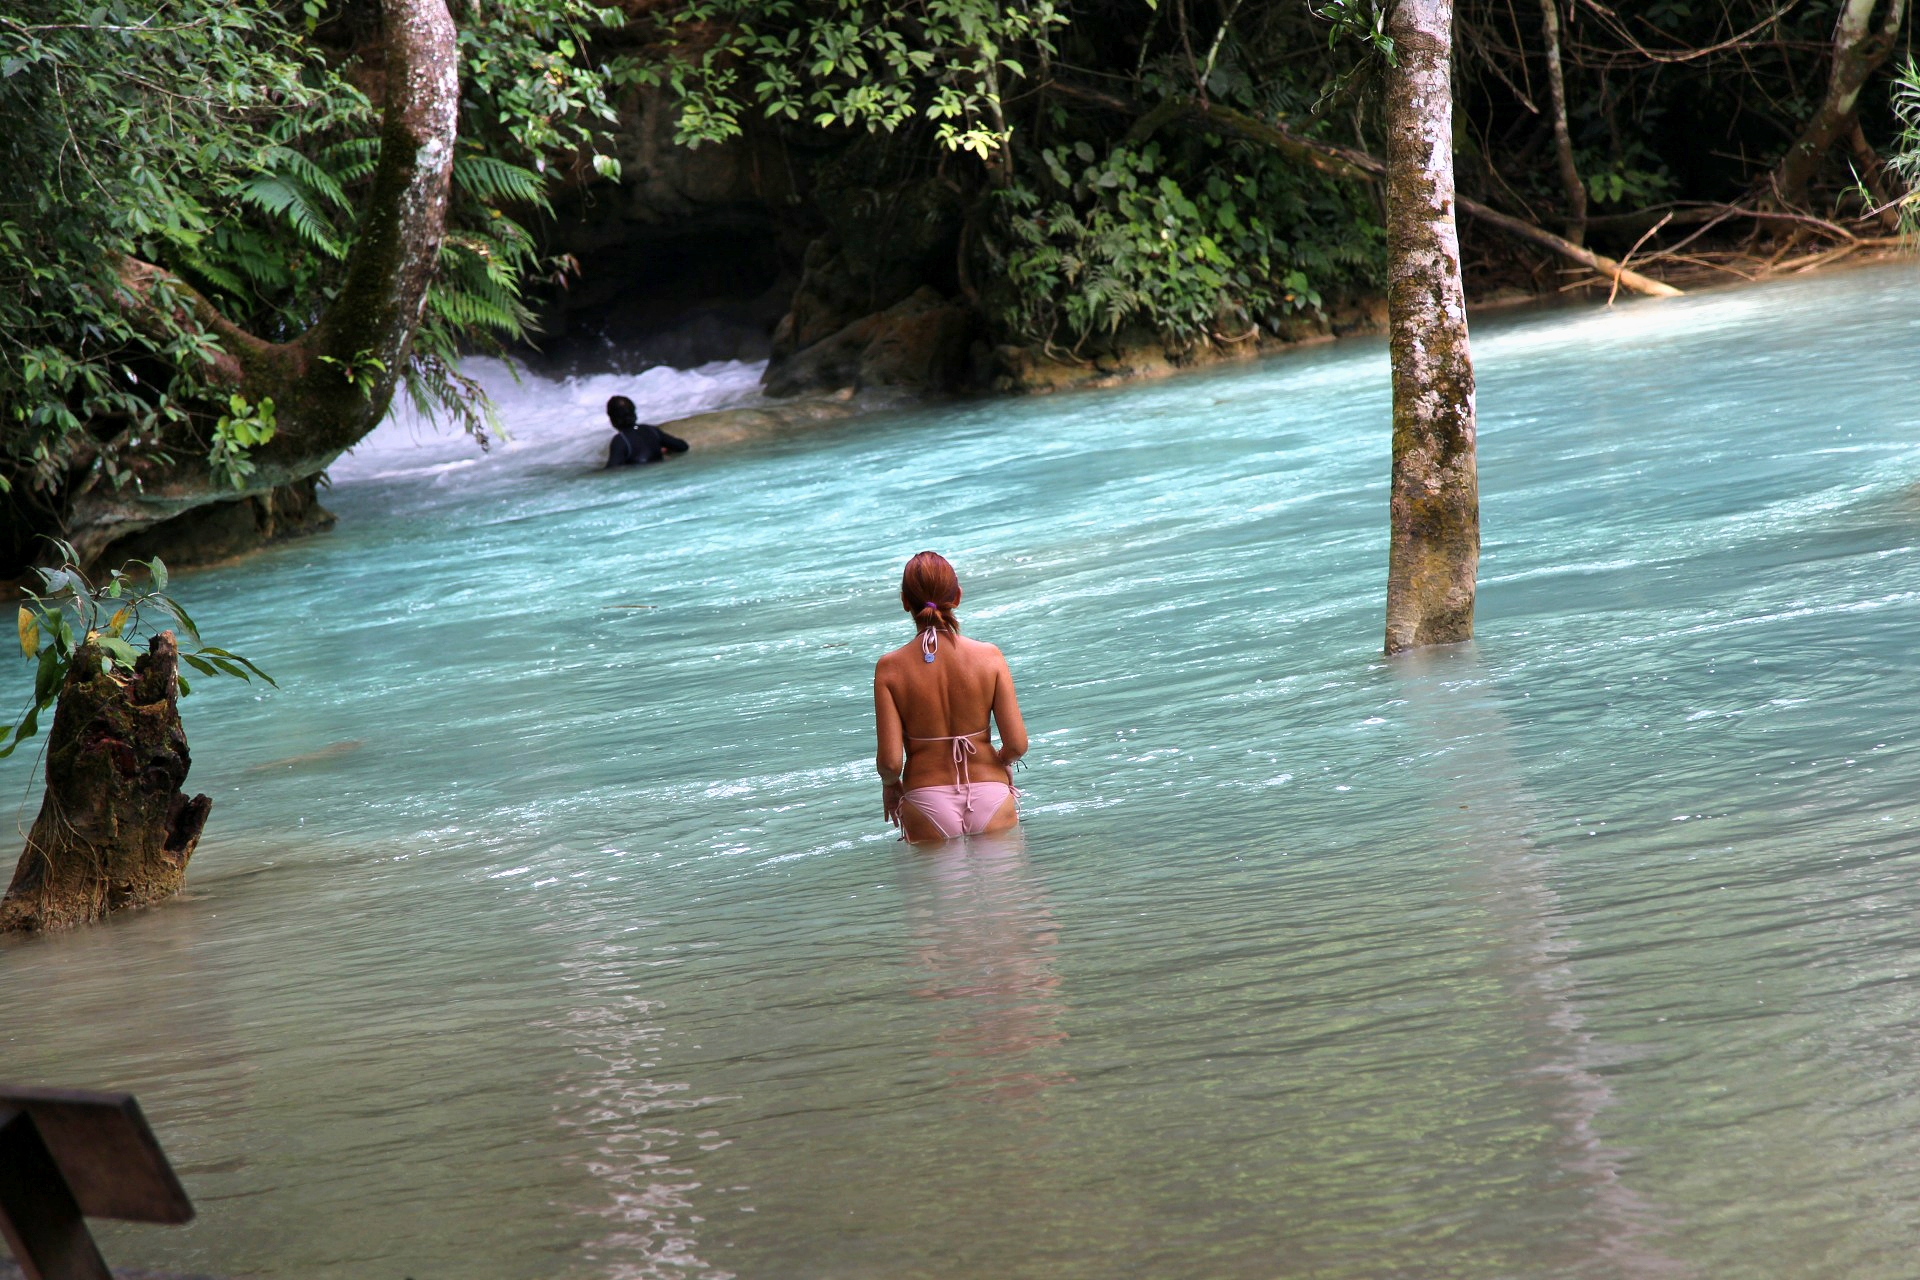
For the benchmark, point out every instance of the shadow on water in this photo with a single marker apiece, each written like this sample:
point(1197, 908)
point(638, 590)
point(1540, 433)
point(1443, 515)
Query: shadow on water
point(985, 947)
point(1464, 760)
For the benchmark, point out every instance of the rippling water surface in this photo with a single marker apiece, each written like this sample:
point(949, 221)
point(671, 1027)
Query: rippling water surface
point(546, 925)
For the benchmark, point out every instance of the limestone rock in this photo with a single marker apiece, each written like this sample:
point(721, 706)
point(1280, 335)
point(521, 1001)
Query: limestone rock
point(921, 343)
point(223, 531)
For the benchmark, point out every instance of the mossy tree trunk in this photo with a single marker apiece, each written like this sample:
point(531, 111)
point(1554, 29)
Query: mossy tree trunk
point(1434, 550)
point(1860, 47)
point(322, 407)
point(115, 829)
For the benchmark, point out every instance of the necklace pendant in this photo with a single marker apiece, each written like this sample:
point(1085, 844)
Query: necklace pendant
point(926, 657)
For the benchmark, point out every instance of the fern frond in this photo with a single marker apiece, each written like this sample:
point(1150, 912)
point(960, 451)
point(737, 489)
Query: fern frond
point(286, 163)
point(274, 195)
point(490, 179)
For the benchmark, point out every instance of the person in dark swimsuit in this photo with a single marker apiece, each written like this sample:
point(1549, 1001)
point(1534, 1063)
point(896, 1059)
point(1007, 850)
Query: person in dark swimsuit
point(636, 443)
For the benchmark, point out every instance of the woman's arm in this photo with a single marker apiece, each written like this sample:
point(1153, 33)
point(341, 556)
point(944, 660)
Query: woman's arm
point(1006, 714)
point(890, 754)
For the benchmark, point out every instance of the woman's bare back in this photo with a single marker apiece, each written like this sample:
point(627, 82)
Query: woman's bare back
point(965, 689)
point(935, 699)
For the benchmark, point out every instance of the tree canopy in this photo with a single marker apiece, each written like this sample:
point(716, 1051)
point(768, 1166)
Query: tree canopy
point(178, 174)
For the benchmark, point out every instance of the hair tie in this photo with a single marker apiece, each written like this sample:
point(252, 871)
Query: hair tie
point(931, 605)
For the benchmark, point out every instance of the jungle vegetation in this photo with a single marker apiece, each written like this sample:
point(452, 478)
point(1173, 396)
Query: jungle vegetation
point(230, 230)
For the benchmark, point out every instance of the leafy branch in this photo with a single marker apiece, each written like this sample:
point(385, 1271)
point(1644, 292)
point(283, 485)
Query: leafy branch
point(72, 617)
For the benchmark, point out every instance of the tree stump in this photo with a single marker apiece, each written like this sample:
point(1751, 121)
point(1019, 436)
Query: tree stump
point(114, 830)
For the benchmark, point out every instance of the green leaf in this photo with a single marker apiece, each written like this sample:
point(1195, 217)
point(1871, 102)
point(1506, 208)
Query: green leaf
point(119, 650)
point(219, 654)
point(46, 680)
point(172, 606)
point(199, 664)
point(158, 568)
point(29, 725)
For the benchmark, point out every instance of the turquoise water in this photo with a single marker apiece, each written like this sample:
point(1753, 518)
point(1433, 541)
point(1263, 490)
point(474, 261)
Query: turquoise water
point(546, 925)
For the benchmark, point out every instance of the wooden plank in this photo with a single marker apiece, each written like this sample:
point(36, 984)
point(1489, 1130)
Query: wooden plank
point(38, 1215)
point(107, 1154)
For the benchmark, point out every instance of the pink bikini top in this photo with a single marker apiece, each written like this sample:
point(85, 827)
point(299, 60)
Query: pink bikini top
point(963, 750)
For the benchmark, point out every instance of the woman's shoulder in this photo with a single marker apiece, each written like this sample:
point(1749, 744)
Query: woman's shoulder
point(896, 657)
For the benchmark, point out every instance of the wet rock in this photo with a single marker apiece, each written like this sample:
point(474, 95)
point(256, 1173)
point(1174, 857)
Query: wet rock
point(224, 531)
point(920, 343)
point(725, 428)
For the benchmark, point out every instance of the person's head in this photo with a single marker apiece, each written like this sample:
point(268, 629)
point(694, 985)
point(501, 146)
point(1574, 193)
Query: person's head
point(929, 590)
point(620, 413)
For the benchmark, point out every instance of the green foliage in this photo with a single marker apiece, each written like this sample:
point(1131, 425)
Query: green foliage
point(113, 114)
point(228, 142)
point(1363, 21)
point(857, 63)
point(1905, 160)
point(70, 612)
point(1194, 247)
point(243, 426)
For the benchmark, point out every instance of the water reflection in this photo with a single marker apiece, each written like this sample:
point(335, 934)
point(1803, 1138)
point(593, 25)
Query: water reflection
point(1488, 816)
point(985, 938)
point(630, 1125)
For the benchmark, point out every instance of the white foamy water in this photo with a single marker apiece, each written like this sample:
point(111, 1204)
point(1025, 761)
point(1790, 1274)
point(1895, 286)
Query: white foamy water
point(545, 424)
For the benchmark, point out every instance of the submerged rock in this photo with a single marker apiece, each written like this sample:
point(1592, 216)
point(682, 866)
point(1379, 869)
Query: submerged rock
point(722, 428)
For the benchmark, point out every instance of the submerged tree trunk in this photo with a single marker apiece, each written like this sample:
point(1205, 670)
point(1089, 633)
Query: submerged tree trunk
point(1434, 552)
point(115, 830)
point(331, 385)
point(1570, 184)
point(1859, 49)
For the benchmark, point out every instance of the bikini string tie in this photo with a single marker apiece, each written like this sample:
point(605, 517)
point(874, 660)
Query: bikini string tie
point(963, 749)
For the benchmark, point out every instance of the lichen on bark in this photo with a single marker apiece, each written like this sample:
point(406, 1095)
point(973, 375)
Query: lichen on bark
point(1434, 507)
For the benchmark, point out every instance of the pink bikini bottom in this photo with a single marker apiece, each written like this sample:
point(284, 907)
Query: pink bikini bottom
point(959, 810)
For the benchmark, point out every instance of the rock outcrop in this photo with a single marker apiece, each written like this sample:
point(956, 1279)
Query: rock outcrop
point(919, 343)
point(223, 531)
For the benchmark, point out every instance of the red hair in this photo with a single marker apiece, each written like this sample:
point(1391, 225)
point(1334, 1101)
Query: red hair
point(929, 589)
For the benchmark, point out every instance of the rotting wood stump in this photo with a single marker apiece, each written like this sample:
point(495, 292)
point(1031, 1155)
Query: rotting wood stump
point(115, 830)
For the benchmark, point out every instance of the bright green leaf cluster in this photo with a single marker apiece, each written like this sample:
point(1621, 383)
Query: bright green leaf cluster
point(72, 617)
point(872, 64)
point(1182, 246)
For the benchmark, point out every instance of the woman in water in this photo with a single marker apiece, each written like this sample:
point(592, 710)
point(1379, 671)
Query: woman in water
point(941, 775)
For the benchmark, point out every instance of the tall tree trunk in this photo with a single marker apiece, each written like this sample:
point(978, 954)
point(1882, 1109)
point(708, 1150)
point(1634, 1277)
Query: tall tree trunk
point(1859, 49)
point(1574, 189)
point(1434, 552)
point(367, 330)
point(115, 829)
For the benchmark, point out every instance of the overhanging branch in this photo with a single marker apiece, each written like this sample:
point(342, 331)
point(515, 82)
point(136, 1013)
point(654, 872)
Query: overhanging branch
point(1346, 162)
